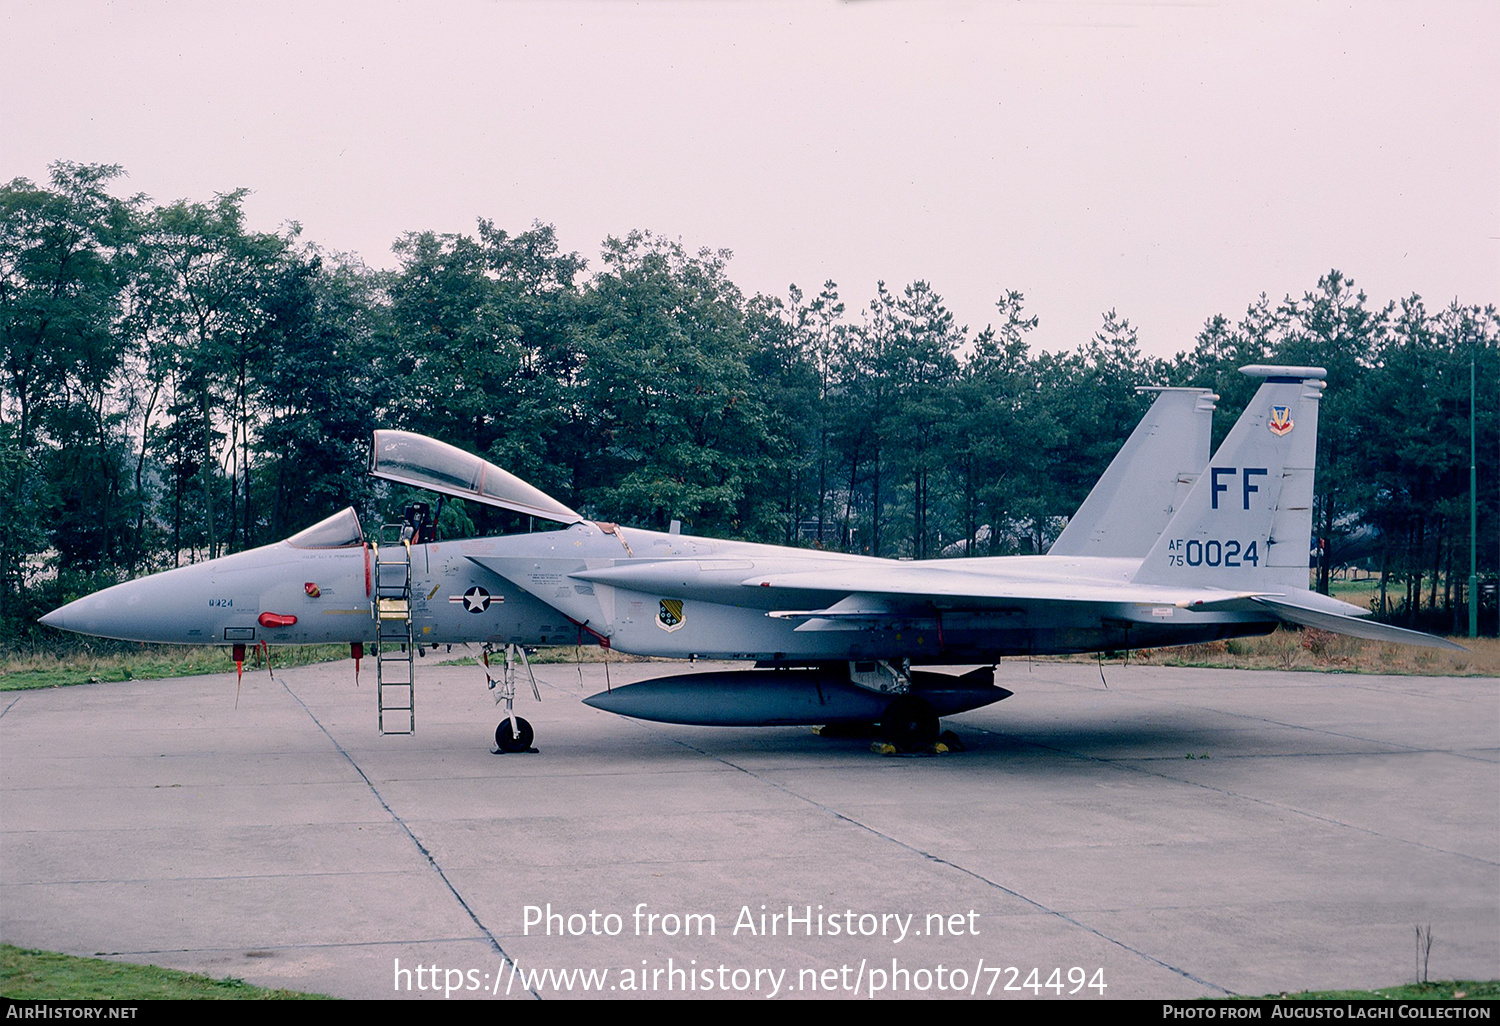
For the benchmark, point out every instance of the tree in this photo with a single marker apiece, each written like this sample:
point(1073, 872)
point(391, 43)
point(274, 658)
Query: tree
point(865, 392)
point(1091, 395)
point(1333, 328)
point(1410, 414)
point(779, 358)
point(60, 276)
point(480, 350)
point(824, 326)
point(199, 294)
point(1000, 428)
point(317, 382)
point(676, 425)
point(923, 366)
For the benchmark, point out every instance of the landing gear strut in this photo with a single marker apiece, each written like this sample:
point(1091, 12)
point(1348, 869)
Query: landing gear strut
point(513, 734)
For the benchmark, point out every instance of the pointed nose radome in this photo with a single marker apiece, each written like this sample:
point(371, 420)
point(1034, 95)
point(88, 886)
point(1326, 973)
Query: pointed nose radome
point(102, 614)
point(169, 607)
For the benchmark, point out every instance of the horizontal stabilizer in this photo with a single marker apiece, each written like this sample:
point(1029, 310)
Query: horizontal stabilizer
point(1354, 626)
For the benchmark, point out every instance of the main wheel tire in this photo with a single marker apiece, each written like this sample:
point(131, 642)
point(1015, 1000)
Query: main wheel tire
point(911, 724)
point(519, 741)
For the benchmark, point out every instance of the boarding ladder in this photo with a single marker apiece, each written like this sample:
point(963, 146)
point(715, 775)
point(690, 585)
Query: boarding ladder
point(395, 691)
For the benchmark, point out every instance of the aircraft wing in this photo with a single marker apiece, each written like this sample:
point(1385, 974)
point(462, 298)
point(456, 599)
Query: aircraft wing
point(899, 592)
point(935, 587)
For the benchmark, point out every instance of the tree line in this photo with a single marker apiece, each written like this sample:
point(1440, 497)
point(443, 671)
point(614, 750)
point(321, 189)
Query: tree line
point(176, 386)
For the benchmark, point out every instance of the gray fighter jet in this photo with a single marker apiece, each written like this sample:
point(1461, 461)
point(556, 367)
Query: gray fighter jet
point(1170, 548)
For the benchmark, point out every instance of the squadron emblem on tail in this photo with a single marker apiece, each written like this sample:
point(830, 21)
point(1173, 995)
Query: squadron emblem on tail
point(1281, 420)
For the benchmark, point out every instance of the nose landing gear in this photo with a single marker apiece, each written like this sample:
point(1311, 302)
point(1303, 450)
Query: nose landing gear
point(513, 734)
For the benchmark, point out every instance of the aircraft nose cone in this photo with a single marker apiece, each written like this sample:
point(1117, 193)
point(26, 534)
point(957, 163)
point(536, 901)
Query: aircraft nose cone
point(151, 609)
point(75, 616)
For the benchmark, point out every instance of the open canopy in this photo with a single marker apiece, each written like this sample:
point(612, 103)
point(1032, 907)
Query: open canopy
point(340, 531)
point(424, 462)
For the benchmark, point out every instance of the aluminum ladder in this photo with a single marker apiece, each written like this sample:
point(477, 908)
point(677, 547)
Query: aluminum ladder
point(395, 684)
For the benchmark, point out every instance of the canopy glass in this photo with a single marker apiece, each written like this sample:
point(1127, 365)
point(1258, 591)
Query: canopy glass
point(340, 531)
point(414, 459)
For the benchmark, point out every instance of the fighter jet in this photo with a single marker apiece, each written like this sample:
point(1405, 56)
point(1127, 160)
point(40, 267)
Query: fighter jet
point(1170, 548)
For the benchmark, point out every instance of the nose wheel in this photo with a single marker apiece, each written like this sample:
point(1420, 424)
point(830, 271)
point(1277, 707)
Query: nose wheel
point(513, 740)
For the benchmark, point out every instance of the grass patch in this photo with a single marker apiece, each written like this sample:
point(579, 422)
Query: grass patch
point(1443, 990)
point(1309, 648)
point(147, 662)
point(1284, 649)
point(30, 975)
point(154, 662)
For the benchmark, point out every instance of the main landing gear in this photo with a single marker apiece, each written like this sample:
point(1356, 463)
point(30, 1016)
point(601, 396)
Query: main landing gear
point(910, 723)
point(513, 734)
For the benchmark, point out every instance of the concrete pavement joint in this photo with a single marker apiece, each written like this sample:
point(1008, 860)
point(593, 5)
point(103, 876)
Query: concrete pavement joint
point(961, 869)
point(431, 861)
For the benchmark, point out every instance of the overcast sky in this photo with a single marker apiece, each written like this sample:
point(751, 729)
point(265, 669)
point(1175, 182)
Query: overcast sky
point(1168, 160)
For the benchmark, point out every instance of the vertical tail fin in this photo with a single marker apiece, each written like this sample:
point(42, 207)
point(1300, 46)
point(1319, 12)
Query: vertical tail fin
point(1147, 481)
point(1247, 523)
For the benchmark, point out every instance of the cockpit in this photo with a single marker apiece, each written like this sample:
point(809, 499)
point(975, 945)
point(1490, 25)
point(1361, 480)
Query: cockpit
point(340, 531)
point(423, 462)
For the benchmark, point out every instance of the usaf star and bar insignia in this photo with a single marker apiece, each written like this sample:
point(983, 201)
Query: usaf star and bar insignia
point(475, 600)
